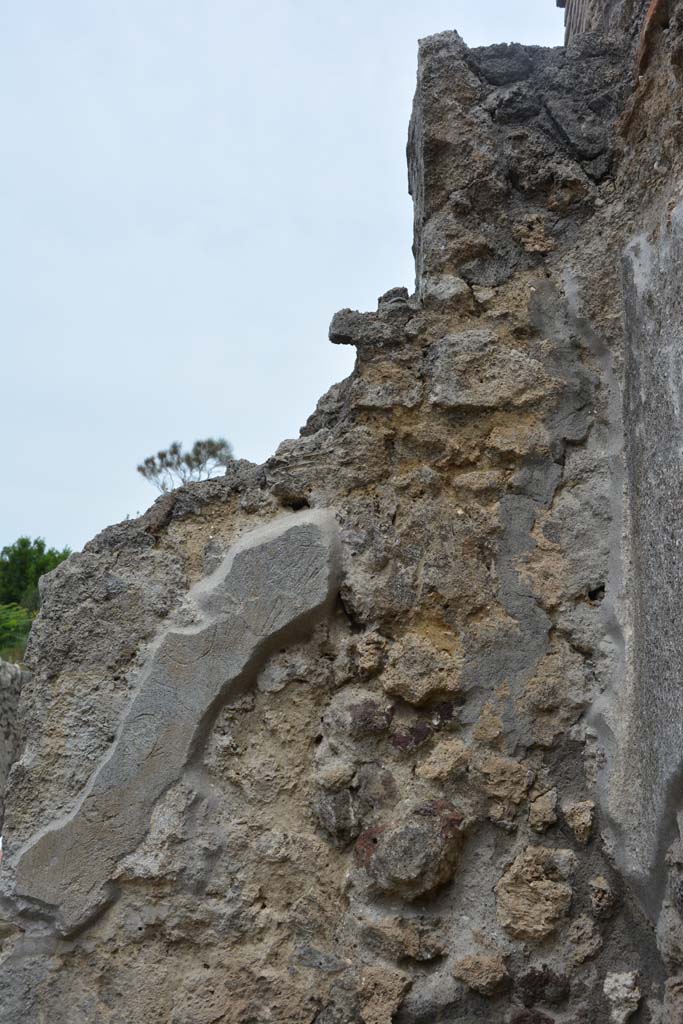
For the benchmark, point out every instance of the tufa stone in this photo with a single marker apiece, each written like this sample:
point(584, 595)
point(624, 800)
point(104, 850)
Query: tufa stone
point(472, 369)
point(534, 895)
point(418, 671)
point(450, 755)
point(579, 817)
point(381, 994)
point(482, 972)
point(543, 811)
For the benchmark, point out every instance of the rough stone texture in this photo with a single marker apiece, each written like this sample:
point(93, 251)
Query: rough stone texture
point(414, 854)
point(464, 750)
point(623, 996)
point(483, 973)
point(615, 16)
point(542, 985)
point(645, 716)
point(579, 817)
point(543, 811)
point(580, 16)
point(12, 678)
point(418, 672)
point(381, 994)
point(535, 893)
point(274, 583)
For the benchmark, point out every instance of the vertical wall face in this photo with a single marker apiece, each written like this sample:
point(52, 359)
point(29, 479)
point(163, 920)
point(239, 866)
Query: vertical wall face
point(601, 16)
point(638, 716)
point(645, 783)
point(580, 16)
point(377, 731)
point(11, 679)
point(653, 414)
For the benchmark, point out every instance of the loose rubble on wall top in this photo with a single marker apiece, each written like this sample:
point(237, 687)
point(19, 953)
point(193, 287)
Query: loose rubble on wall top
point(357, 735)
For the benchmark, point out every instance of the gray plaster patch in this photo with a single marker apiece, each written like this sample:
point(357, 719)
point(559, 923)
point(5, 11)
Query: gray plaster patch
point(640, 717)
point(271, 588)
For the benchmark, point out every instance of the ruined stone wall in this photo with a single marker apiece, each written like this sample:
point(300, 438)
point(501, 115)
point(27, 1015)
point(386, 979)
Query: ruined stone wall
point(580, 16)
point(12, 678)
point(387, 729)
point(623, 18)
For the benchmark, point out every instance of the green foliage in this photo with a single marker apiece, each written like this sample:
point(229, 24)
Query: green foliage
point(21, 566)
point(173, 467)
point(15, 623)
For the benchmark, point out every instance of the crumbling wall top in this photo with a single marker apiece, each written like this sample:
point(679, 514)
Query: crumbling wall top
point(622, 18)
point(580, 16)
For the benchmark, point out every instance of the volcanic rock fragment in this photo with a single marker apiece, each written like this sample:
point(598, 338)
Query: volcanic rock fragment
point(414, 854)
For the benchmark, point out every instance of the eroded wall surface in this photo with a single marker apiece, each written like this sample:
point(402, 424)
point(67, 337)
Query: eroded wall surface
point(387, 728)
point(619, 17)
point(12, 678)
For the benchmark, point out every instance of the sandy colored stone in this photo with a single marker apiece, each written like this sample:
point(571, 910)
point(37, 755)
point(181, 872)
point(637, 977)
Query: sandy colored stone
point(399, 938)
point(471, 369)
point(381, 994)
point(386, 386)
point(367, 654)
point(417, 670)
point(554, 698)
point(480, 481)
point(448, 755)
point(517, 438)
point(534, 894)
point(503, 778)
point(489, 726)
point(335, 773)
point(531, 233)
point(579, 817)
point(485, 973)
point(543, 811)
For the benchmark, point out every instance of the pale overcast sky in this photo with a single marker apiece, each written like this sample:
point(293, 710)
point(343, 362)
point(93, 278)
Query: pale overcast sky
point(188, 192)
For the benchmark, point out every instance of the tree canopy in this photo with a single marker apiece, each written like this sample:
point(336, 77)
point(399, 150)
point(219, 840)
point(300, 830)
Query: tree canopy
point(15, 623)
point(173, 467)
point(21, 566)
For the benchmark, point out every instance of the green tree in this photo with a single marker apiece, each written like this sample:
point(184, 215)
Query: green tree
point(21, 566)
point(15, 623)
point(173, 467)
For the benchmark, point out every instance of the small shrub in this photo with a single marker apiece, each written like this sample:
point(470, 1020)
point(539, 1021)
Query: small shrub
point(174, 467)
